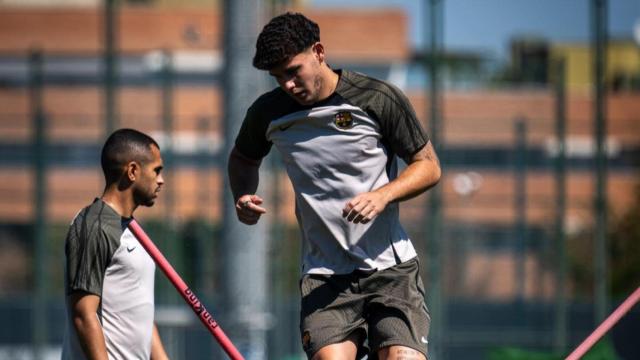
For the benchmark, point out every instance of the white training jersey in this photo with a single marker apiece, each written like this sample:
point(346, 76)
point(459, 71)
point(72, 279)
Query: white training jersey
point(333, 150)
point(104, 258)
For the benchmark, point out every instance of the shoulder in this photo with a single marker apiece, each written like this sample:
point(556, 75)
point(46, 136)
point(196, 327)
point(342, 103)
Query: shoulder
point(271, 104)
point(368, 91)
point(354, 80)
point(95, 223)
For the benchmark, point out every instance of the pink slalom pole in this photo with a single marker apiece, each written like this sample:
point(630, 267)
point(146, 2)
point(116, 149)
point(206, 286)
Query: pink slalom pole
point(605, 326)
point(184, 290)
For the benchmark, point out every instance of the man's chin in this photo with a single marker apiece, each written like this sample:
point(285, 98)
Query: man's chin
point(303, 100)
point(149, 202)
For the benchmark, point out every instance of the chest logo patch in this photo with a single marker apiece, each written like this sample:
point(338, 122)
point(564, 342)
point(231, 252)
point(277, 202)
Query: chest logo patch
point(343, 120)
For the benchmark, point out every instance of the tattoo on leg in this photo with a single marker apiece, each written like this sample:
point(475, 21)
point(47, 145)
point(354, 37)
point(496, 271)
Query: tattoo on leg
point(408, 354)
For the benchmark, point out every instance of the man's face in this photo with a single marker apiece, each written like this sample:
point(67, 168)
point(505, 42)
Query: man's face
point(148, 184)
point(301, 76)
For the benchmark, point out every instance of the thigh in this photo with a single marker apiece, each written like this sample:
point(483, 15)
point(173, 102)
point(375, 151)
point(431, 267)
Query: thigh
point(397, 315)
point(331, 314)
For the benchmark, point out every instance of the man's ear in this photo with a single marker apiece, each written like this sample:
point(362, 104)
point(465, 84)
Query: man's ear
point(318, 50)
point(132, 171)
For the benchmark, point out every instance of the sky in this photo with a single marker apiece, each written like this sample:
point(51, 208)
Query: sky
point(488, 25)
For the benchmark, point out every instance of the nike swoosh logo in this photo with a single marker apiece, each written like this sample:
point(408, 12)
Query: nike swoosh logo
point(130, 249)
point(283, 128)
point(424, 341)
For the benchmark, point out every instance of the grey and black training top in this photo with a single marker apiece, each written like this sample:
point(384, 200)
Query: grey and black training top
point(333, 150)
point(102, 257)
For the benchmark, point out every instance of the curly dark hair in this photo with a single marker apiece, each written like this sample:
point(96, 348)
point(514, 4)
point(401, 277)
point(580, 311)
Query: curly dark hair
point(284, 37)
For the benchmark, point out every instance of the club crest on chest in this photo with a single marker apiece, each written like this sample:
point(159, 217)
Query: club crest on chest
point(343, 120)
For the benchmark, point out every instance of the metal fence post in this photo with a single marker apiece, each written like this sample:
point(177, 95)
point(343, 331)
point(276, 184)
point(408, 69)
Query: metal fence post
point(110, 59)
point(39, 315)
point(520, 205)
point(170, 224)
point(560, 338)
point(599, 50)
point(435, 218)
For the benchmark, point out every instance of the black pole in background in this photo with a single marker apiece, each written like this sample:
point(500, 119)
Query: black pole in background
point(520, 192)
point(560, 338)
point(435, 218)
point(170, 237)
point(39, 321)
point(109, 58)
point(599, 50)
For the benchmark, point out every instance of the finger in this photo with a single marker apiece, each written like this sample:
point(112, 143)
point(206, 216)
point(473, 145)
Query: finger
point(349, 206)
point(366, 217)
point(352, 215)
point(370, 216)
point(360, 209)
point(361, 216)
point(243, 201)
point(346, 210)
point(256, 199)
point(355, 213)
point(254, 208)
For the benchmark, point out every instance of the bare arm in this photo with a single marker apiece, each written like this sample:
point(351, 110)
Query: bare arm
point(243, 179)
point(422, 173)
point(157, 350)
point(84, 312)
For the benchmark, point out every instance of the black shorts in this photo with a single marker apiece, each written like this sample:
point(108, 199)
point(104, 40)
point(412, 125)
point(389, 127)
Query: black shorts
point(380, 308)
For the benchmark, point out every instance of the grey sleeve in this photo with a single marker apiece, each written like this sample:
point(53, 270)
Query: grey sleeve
point(88, 252)
point(399, 126)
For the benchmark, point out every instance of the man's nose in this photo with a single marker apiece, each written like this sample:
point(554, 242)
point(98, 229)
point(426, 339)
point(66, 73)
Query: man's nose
point(289, 84)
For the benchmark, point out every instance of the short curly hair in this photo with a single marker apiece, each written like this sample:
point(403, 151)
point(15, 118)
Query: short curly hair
point(284, 37)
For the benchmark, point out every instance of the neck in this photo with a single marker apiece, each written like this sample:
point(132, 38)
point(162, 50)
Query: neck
point(330, 82)
point(121, 201)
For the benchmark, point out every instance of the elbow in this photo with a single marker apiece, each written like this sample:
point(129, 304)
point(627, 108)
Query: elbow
point(437, 174)
point(81, 322)
point(433, 173)
point(85, 322)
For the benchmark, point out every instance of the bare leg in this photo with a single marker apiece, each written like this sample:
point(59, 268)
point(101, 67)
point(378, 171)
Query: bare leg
point(346, 350)
point(397, 352)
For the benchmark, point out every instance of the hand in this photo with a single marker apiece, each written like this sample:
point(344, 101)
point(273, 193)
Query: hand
point(364, 207)
point(248, 209)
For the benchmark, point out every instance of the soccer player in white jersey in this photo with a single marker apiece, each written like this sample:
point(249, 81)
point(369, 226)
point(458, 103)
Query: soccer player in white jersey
point(340, 134)
point(109, 277)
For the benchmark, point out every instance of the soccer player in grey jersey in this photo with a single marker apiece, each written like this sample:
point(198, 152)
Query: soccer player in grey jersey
point(109, 277)
point(340, 134)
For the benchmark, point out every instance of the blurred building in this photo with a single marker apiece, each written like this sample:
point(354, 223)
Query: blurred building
point(482, 176)
point(479, 124)
point(622, 65)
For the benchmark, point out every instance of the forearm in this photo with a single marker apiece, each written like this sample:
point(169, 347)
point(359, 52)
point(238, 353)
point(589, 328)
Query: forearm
point(90, 336)
point(157, 349)
point(421, 174)
point(243, 174)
